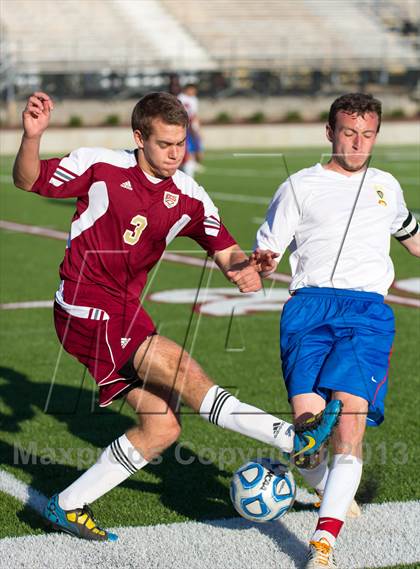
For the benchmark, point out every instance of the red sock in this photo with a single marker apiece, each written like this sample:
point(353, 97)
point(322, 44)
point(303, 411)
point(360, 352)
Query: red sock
point(332, 525)
point(328, 528)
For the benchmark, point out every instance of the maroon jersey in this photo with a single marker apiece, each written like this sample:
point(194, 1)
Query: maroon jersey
point(124, 220)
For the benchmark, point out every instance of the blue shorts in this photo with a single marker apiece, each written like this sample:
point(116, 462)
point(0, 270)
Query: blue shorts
point(338, 340)
point(193, 143)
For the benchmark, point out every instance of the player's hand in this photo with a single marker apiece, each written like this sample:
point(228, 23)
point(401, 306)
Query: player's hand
point(36, 115)
point(246, 279)
point(263, 261)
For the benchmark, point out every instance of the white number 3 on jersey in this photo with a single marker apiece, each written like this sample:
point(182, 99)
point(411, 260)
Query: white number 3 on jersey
point(140, 224)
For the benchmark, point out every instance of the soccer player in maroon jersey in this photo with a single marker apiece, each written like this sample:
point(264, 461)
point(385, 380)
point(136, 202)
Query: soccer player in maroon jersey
point(130, 205)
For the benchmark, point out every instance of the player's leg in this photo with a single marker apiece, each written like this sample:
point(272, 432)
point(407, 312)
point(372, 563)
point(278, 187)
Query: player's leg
point(158, 427)
point(343, 479)
point(356, 372)
point(189, 164)
point(314, 468)
point(198, 151)
point(346, 466)
point(305, 405)
point(159, 361)
point(305, 343)
point(356, 359)
point(189, 167)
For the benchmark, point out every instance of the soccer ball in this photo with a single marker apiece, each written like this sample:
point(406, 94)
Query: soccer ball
point(262, 490)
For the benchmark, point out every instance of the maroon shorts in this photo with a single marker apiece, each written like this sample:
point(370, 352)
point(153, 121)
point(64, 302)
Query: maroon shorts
point(102, 332)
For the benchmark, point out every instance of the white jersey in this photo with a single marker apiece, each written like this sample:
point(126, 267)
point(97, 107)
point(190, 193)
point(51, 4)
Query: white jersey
point(330, 245)
point(190, 103)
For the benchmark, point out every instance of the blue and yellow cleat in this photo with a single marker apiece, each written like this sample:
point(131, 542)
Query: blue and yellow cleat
point(79, 522)
point(311, 434)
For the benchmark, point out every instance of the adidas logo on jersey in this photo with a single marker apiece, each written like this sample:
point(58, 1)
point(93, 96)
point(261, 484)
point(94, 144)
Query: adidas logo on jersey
point(277, 428)
point(124, 342)
point(126, 185)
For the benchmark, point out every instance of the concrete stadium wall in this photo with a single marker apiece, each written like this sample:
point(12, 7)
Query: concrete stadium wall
point(62, 140)
point(95, 112)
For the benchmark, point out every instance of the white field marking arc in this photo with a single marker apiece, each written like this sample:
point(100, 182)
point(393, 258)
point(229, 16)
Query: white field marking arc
point(239, 543)
point(223, 301)
point(250, 306)
point(176, 258)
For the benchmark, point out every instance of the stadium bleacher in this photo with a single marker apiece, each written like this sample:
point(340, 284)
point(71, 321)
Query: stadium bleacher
point(243, 38)
point(303, 33)
point(79, 35)
point(395, 12)
point(68, 36)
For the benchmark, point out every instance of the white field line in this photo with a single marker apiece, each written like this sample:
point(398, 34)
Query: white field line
point(11, 485)
point(385, 535)
point(33, 230)
point(239, 172)
point(241, 198)
point(28, 304)
point(404, 300)
point(171, 257)
point(408, 285)
point(23, 492)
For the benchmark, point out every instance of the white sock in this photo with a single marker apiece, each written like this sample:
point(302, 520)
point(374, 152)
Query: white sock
point(223, 409)
point(117, 462)
point(342, 484)
point(189, 167)
point(317, 477)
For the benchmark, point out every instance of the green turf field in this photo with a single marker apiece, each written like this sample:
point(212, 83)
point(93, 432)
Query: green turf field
point(55, 444)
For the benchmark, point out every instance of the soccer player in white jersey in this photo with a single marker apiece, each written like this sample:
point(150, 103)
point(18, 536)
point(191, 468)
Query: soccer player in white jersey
point(130, 205)
point(336, 332)
point(194, 148)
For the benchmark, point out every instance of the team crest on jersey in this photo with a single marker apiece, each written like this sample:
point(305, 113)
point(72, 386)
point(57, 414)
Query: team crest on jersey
point(380, 194)
point(170, 200)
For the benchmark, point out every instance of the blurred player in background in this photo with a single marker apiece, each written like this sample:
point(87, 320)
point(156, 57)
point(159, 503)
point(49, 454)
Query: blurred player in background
point(336, 332)
point(194, 149)
point(130, 206)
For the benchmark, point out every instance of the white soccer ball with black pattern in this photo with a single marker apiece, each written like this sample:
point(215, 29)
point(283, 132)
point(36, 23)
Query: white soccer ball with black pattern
point(262, 490)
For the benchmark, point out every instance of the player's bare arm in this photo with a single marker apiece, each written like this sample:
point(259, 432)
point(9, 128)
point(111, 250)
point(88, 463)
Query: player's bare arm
point(412, 244)
point(35, 119)
point(264, 261)
point(236, 267)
